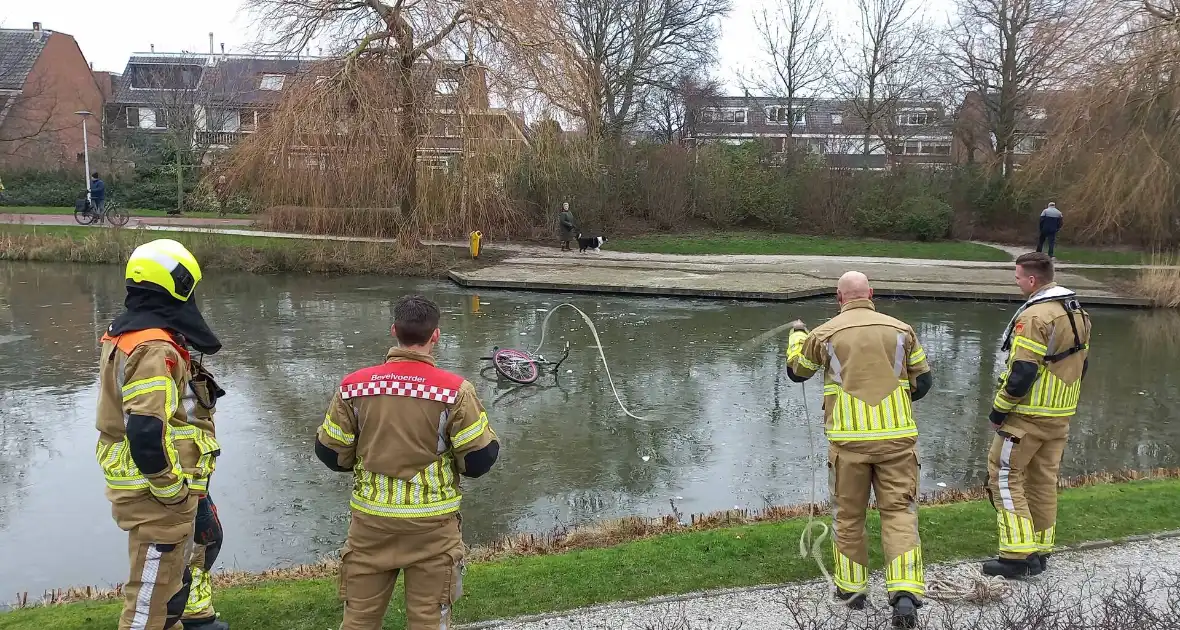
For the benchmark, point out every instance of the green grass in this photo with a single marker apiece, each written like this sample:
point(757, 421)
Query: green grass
point(668, 564)
point(761, 243)
point(1089, 256)
point(138, 236)
point(135, 212)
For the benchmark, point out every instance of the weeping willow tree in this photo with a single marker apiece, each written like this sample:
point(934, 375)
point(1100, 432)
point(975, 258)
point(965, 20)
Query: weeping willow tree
point(1114, 152)
point(361, 130)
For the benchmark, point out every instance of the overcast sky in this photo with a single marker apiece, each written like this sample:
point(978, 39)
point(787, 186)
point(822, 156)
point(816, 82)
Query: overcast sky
point(109, 34)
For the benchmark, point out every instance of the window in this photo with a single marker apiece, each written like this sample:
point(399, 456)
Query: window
point(1028, 144)
point(926, 147)
point(915, 119)
point(1036, 113)
point(724, 115)
point(446, 86)
point(784, 115)
point(273, 82)
point(146, 118)
point(837, 119)
point(223, 120)
point(249, 120)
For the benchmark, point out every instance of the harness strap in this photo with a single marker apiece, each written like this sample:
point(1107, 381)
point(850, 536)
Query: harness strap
point(1070, 306)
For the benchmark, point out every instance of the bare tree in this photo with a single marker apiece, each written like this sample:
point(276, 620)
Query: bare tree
point(598, 60)
point(33, 121)
point(793, 47)
point(886, 63)
point(1007, 50)
point(402, 32)
point(667, 113)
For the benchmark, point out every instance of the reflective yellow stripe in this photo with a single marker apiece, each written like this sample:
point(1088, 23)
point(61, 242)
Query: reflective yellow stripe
point(157, 384)
point(472, 432)
point(855, 420)
point(795, 351)
point(849, 576)
point(336, 432)
point(1016, 533)
point(905, 573)
point(1045, 539)
point(200, 595)
point(405, 511)
point(1030, 345)
point(1001, 403)
point(916, 357)
point(167, 492)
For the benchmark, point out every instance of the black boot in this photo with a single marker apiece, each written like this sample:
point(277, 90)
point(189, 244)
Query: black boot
point(855, 601)
point(1045, 561)
point(1014, 569)
point(905, 611)
point(212, 623)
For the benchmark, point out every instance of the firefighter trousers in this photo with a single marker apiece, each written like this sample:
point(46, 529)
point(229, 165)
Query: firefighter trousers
point(1022, 466)
point(429, 555)
point(159, 541)
point(893, 479)
point(207, 542)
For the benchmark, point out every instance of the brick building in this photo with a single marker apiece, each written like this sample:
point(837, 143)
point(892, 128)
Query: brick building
point(44, 79)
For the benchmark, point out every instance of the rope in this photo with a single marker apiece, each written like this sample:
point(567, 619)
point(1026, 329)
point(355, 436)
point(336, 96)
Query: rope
point(807, 545)
point(970, 586)
point(598, 343)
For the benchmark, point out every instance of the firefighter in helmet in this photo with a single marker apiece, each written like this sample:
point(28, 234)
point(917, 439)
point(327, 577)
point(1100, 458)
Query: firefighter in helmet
point(155, 454)
point(1047, 342)
point(873, 368)
point(406, 430)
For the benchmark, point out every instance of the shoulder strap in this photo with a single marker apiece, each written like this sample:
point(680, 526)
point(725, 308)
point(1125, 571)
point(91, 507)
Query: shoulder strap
point(1071, 306)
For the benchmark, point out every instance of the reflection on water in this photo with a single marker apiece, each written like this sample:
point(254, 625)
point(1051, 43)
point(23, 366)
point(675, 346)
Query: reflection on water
point(724, 427)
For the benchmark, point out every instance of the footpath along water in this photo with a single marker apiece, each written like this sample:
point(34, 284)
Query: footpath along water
point(723, 427)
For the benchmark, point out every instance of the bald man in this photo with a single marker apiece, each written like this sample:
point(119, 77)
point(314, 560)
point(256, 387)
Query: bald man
point(873, 368)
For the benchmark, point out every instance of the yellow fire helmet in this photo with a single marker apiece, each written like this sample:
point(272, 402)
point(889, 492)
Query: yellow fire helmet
point(166, 264)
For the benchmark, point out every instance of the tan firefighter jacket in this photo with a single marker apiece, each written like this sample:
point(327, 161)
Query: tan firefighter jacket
point(870, 363)
point(147, 373)
point(403, 427)
point(1051, 332)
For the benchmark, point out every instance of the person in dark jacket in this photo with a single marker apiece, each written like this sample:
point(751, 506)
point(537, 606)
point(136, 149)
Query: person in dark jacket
point(1051, 222)
point(568, 227)
point(98, 192)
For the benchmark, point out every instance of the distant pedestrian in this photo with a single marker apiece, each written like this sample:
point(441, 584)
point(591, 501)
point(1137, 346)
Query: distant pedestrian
point(568, 227)
point(98, 192)
point(1051, 222)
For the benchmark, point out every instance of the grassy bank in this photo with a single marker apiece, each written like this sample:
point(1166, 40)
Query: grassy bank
point(135, 212)
point(713, 557)
point(763, 243)
point(225, 252)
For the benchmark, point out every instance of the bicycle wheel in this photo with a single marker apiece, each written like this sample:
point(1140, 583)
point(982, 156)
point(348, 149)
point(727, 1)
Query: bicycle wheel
point(516, 366)
point(84, 217)
point(117, 215)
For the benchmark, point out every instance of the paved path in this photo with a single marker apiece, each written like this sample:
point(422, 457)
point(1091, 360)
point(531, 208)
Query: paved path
point(1077, 583)
point(758, 277)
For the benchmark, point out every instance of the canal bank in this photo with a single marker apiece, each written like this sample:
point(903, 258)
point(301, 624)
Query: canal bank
point(696, 559)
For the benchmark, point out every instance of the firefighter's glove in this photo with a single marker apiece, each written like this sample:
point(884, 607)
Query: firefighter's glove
point(997, 418)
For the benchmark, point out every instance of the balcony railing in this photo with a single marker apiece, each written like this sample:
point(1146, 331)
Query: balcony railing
point(220, 138)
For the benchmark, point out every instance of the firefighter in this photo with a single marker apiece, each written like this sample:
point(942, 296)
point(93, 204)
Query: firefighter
point(1047, 342)
point(406, 430)
point(155, 457)
point(873, 368)
point(208, 534)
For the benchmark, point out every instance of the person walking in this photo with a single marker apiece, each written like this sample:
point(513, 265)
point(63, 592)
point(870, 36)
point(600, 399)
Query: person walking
point(407, 431)
point(568, 227)
point(156, 458)
point(1047, 342)
point(873, 368)
point(1050, 223)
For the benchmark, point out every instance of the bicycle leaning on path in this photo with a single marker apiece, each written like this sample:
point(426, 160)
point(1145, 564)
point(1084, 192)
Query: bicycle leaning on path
point(86, 213)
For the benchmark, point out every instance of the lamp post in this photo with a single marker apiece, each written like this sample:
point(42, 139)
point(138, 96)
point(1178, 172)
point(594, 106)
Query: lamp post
point(86, 151)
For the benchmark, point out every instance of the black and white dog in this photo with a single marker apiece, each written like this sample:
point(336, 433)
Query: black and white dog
point(592, 243)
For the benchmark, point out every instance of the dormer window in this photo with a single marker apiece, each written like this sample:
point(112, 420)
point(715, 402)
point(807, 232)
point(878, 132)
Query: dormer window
point(272, 82)
point(916, 118)
point(785, 115)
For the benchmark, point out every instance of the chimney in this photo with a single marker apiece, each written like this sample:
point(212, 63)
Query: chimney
point(222, 49)
point(153, 47)
point(37, 33)
point(210, 42)
point(92, 66)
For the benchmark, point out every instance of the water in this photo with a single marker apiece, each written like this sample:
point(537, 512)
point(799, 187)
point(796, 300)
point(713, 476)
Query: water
point(724, 428)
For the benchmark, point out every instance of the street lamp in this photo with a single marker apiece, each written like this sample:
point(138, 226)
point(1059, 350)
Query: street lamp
point(86, 151)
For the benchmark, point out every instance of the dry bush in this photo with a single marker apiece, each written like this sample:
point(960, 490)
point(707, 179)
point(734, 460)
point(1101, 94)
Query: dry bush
point(1161, 282)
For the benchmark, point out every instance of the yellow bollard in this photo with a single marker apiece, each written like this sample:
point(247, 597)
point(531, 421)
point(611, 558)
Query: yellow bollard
point(475, 238)
point(475, 304)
